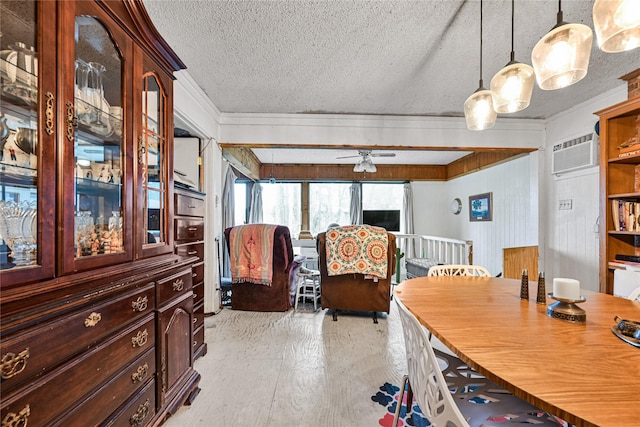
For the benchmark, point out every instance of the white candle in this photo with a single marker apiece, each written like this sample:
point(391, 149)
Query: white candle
point(566, 288)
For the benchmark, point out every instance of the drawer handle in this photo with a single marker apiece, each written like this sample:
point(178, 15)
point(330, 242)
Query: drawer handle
point(140, 339)
point(178, 285)
point(192, 228)
point(192, 252)
point(92, 320)
point(195, 320)
point(191, 207)
point(195, 296)
point(194, 275)
point(137, 419)
point(13, 364)
point(140, 304)
point(140, 374)
point(195, 343)
point(17, 420)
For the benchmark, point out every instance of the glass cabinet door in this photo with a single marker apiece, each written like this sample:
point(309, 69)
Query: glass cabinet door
point(26, 124)
point(98, 144)
point(153, 164)
point(95, 210)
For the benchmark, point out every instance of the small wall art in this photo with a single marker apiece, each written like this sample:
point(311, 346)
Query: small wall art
point(481, 207)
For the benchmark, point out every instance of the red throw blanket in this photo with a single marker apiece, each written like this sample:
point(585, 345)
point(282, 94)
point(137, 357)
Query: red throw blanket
point(251, 253)
point(357, 249)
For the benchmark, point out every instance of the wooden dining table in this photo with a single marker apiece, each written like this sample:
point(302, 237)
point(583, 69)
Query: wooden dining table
point(580, 372)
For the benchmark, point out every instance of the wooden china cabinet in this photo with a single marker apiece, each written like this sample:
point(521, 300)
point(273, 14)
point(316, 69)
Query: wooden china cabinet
point(96, 309)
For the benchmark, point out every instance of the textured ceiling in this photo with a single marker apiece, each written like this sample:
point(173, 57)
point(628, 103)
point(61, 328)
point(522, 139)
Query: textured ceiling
point(368, 57)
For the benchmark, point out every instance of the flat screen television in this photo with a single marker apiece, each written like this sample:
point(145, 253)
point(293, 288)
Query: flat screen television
point(387, 219)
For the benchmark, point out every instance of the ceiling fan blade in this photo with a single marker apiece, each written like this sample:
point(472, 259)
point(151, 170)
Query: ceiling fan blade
point(382, 154)
point(348, 157)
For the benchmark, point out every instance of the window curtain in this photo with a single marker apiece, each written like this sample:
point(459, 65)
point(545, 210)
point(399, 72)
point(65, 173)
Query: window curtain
point(355, 207)
point(255, 206)
point(407, 226)
point(228, 216)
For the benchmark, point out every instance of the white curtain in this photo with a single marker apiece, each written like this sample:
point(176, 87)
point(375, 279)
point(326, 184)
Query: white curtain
point(355, 208)
point(228, 216)
point(407, 208)
point(255, 207)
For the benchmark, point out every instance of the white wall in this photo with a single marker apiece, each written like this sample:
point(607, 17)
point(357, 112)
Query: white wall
point(197, 114)
point(572, 246)
point(515, 214)
point(431, 208)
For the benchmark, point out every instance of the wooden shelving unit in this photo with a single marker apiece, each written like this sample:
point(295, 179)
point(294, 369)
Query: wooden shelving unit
point(618, 124)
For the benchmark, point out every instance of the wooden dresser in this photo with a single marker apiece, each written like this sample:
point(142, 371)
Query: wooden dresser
point(189, 210)
point(96, 304)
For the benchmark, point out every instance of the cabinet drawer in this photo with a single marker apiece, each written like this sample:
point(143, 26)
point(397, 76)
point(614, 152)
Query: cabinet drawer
point(191, 249)
point(98, 406)
point(189, 229)
point(50, 397)
point(198, 294)
point(198, 316)
point(139, 412)
point(189, 206)
point(198, 338)
point(39, 350)
point(198, 272)
point(173, 286)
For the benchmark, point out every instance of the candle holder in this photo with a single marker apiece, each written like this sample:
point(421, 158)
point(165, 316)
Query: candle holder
point(566, 309)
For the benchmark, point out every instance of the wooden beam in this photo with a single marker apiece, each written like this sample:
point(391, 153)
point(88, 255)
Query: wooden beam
point(243, 159)
point(297, 172)
point(480, 160)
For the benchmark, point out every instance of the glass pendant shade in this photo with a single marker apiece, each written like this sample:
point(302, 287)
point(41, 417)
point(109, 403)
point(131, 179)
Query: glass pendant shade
point(617, 24)
point(512, 87)
point(561, 57)
point(478, 110)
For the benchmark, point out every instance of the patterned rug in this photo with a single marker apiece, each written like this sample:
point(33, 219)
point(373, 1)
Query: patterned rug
point(482, 402)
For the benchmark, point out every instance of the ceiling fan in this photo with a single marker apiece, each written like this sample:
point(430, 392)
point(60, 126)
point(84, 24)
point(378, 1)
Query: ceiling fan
point(365, 164)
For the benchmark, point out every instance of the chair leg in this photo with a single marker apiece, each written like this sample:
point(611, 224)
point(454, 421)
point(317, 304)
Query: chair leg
point(396, 417)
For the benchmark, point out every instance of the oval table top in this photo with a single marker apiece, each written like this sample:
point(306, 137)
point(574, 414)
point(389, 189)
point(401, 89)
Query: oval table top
point(580, 372)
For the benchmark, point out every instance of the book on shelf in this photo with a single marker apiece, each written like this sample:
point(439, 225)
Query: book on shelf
point(623, 264)
point(625, 215)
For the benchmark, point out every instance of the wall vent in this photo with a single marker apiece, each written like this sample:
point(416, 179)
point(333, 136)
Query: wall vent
point(574, 154)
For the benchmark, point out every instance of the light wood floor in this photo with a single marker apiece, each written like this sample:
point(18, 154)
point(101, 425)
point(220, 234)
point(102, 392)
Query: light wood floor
point(298, 368)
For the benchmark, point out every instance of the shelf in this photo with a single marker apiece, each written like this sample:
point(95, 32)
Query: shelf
point(623, 233)
point(17, 175)
point(624, 196)
point(85, 185)
point(628, 160)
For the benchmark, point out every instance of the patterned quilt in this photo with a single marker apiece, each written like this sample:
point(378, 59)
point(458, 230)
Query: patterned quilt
point(357, 249)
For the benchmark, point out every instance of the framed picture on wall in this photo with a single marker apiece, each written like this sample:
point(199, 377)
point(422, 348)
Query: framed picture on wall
point(481, 207)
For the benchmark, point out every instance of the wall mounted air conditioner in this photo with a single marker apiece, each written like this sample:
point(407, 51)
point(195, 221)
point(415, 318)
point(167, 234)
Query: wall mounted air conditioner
point(577, 153)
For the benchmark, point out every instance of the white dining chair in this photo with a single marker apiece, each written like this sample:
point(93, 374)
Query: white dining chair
point(425, 377)
point(458, 270)
point(635, 295)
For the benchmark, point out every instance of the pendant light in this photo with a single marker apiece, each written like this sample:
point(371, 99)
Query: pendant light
point(478, 108)
point(561, 57)
point(617, 24)
point(512, 86)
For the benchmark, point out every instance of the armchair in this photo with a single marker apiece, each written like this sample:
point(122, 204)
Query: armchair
point(259, 297)
point(352, 292)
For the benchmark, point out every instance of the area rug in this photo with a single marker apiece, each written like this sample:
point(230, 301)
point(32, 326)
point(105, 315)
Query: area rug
point(482, 402)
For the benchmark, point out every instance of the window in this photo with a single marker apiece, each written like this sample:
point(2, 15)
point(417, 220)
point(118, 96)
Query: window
point(281, 205)
point(328, 203)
